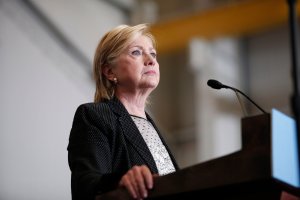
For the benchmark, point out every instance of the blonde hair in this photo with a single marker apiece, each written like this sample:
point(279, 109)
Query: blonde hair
point(110, 47)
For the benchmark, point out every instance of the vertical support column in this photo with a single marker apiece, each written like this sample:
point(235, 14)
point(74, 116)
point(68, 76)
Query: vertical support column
point(295, 67)
point(218, 112)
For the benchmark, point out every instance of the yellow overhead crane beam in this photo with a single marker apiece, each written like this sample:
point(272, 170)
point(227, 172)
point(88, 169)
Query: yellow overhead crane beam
point(235, 19)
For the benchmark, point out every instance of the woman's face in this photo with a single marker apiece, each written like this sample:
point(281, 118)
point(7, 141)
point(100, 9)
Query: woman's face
point(137, 67)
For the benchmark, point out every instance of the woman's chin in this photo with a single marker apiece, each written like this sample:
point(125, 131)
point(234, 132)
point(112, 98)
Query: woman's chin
point(150, 84)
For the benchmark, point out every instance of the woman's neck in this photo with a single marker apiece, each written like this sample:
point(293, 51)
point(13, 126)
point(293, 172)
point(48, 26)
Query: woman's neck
point(135, 105)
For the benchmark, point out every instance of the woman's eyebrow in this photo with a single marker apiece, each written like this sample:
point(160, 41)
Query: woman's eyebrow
point(140, 47)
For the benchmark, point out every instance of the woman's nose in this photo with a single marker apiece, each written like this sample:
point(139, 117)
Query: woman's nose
point(148, 60)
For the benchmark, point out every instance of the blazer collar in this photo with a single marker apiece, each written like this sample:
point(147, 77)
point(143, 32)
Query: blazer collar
point(117, 107)
point(132, 133)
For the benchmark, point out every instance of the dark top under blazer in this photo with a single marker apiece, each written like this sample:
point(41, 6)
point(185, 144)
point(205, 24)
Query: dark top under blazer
point(104, 143)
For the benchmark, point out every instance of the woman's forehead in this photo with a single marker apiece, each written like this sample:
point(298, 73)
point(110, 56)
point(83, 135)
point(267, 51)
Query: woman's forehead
point(141, 41)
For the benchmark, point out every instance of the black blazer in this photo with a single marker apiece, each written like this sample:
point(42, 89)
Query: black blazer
point(104, 144)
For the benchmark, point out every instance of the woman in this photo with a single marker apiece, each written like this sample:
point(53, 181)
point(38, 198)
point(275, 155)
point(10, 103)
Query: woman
point(113, 141)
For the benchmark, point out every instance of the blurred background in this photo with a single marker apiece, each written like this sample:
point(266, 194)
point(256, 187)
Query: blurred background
point(46, 54)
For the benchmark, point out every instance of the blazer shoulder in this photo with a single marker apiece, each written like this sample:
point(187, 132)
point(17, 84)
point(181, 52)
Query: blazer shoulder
point(98, 109)
point(95, 112)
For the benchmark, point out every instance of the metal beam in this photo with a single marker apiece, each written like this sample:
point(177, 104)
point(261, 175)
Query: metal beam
point(235, 19)
point(125, 7)
point(59, 36)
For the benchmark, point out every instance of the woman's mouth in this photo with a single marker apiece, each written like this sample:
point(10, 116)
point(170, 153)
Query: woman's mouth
point(150, 72)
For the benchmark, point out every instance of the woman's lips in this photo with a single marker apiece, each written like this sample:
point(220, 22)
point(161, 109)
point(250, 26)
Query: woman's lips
point(150, 72)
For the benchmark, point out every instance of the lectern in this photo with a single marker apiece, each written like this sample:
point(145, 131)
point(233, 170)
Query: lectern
point(264, 167)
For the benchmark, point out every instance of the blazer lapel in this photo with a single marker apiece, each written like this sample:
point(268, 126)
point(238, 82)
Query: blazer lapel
point(132, 133)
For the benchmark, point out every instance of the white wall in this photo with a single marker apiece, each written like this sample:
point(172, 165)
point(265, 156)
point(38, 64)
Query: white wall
point(41, 85)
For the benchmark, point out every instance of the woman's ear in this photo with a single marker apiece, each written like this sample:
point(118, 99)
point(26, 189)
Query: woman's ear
point(108, 73)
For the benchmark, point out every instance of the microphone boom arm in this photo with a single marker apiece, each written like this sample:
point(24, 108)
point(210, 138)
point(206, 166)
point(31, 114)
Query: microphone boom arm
point(240, 101)
point(217, 85)
point(237, 90)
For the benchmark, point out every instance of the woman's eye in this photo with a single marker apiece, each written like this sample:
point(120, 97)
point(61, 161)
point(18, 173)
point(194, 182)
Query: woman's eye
point(153, 55)
point(136, 52)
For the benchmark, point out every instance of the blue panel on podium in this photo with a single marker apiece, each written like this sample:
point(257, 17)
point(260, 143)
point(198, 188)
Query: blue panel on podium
point(285, 165)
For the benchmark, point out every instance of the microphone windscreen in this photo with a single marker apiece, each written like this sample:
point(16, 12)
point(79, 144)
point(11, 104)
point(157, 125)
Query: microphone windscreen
point(214, 84)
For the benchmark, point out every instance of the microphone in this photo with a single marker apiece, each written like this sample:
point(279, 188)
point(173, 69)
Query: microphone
point(217, 85)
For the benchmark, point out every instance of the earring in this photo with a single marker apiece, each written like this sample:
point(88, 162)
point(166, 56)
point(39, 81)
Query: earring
point(115, 81)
